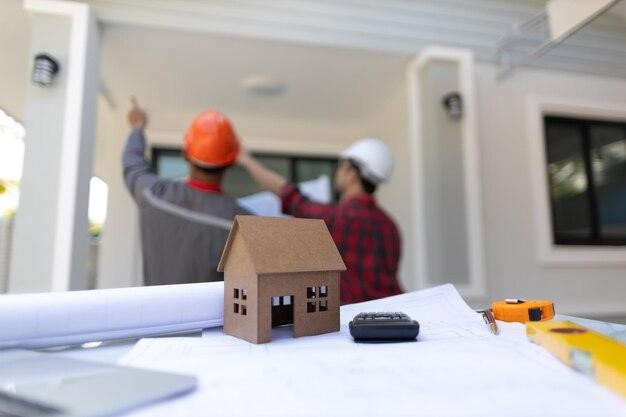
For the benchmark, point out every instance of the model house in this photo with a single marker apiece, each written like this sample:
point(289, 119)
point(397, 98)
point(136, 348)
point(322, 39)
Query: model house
point(280, 271)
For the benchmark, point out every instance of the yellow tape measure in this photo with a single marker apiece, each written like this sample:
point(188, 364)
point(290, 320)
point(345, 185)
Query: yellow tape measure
point(522, 311)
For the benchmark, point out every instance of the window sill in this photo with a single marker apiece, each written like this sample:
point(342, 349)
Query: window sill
point(583, 256)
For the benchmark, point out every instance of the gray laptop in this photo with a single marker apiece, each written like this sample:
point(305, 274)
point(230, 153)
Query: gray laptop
point(40, 385)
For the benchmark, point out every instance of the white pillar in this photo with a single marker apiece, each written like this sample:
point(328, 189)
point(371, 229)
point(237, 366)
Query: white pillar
point(446, 192)
point(50, 238)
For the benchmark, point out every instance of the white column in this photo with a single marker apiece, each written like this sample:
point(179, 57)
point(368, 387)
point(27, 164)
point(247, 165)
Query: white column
point(50, 239)
point(446, 191)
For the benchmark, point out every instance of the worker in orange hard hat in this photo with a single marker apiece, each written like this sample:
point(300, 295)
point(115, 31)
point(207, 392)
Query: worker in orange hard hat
point(210, 142)
point(184, 224)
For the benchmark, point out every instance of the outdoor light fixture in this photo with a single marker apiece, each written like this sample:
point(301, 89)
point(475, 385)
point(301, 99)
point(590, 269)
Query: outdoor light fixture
point(453, 103)
point(45, 69)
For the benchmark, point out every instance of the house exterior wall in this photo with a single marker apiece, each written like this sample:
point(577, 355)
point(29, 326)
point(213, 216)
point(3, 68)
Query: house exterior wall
point(513, 265)
point(239, 274)
point(305, 323)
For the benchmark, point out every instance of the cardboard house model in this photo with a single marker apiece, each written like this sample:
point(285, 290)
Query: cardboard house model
point(280, 271)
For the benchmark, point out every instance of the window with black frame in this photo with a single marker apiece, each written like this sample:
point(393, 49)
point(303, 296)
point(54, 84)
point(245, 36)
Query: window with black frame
point(587, 180)
point(169, 163)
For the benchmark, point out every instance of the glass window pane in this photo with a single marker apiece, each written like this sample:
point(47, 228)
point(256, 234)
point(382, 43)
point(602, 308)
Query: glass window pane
point(239, 183)
point(171, 164)
point(310, 169)
point(608, 152)
point(568, 180)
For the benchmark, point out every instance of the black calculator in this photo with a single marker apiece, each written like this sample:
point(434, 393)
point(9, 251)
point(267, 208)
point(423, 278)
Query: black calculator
point(383, 327)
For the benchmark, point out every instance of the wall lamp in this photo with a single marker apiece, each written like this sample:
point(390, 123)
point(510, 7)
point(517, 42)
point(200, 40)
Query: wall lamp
point(453, 103)
point(45, 69)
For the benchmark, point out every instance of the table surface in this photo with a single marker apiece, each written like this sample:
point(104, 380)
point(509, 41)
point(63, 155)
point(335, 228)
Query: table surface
point(111, 352)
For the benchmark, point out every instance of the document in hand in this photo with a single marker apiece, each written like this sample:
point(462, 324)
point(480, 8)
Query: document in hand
point(267, 204)
point(456, 368)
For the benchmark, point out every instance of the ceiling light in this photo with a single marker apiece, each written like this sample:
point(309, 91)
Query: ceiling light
point(262, 85)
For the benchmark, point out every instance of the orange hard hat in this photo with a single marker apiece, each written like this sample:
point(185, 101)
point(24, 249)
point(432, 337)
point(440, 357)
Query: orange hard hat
point(211, 141)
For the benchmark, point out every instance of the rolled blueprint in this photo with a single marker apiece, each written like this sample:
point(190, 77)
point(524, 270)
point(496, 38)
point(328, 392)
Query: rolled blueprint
point(74, 317)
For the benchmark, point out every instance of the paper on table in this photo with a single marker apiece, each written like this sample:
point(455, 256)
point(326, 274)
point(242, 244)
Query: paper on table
point(65, 318)
point(267, 204)
point(457, 368)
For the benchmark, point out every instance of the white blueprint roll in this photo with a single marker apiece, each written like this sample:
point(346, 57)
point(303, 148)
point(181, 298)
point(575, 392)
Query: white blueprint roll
point(66, 318)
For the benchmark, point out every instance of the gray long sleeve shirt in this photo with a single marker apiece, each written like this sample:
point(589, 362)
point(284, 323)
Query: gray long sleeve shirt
point(183, 230)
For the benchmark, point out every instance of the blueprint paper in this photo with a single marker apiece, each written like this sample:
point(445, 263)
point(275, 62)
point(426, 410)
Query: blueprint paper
point(67, 318)
point(268, 204)
point(456, 368)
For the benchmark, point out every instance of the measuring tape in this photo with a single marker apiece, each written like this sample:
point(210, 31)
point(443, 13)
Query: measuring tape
point(513, 309)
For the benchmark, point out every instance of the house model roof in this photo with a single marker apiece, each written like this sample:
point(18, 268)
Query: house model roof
point(279, 245)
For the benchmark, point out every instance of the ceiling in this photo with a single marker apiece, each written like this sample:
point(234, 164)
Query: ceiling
point(178, 73)
point(401, 26)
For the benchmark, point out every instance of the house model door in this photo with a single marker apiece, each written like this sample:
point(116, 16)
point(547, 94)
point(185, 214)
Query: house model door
point(282, 310)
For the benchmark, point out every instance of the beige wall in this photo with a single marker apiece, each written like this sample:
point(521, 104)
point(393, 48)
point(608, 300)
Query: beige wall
point(391, 124)
point(512, 265)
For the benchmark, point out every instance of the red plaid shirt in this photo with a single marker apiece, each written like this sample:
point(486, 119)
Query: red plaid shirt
point(367, 239)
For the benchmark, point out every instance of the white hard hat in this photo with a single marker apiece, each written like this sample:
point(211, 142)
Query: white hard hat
point(373, 157)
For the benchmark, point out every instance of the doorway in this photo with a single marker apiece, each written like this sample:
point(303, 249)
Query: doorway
point(282, 310)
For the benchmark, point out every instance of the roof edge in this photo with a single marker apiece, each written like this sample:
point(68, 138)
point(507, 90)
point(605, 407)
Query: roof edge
point(228, 245)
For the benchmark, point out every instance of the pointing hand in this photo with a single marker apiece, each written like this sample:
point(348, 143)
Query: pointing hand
point(136, 117)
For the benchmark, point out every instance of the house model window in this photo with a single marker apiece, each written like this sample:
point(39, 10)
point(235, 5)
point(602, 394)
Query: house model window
point(312, 295)
point(237, 307)
point(280, 272)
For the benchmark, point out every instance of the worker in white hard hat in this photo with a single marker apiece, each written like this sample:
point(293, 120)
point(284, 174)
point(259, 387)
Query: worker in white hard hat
point(367, 238)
